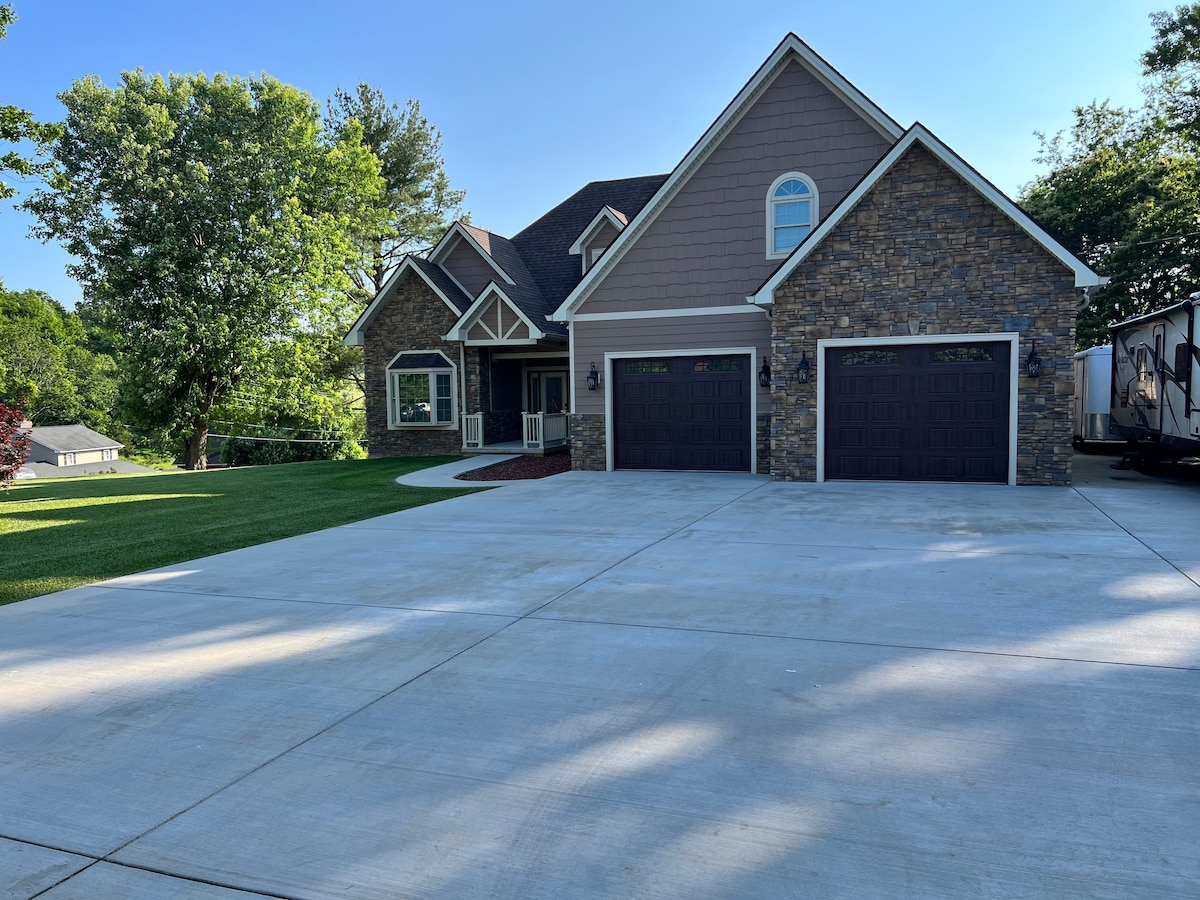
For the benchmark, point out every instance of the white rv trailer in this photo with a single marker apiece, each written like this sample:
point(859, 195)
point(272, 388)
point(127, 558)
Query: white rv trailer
point(1093, 395)
point(1156, 382)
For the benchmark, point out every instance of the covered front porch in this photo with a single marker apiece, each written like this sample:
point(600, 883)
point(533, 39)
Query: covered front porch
point(520, 400)
point(541, 433)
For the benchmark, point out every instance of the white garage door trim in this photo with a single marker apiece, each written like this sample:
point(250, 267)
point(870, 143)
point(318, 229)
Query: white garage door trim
point(1014, 368)
point(609, 358)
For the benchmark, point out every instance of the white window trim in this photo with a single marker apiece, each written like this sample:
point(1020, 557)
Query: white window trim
point(390, 376)
point(1014, 365)
point(814, 212)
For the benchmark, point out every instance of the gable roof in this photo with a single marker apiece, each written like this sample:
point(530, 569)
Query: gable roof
point(71, 438)
point(545, 245)
point(537, 324)
point(1084, 276)
point(486, 244)
point(535, 268)
point(613, 217)
point(433, 275)
point(789, 50)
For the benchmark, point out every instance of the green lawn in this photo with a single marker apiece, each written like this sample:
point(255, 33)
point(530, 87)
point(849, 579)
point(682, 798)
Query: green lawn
point(61, 533)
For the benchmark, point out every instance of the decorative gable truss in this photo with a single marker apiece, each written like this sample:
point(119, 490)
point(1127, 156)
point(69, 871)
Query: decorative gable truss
point(495, 320)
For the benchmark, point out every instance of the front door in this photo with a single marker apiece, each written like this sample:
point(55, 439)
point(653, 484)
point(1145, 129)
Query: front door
point(547, 392)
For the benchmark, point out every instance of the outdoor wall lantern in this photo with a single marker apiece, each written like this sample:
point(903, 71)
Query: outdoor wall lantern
point(593, 378)
point(803, 370)
point(764, 375)
point(1033, 362)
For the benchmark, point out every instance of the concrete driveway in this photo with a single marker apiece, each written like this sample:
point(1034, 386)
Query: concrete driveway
point(629, 685)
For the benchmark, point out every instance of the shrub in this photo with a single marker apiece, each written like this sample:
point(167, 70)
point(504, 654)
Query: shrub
point(14, 444)
point(257, 451)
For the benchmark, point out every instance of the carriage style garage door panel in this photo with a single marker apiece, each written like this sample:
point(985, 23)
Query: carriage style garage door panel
point(683, 412)
point(919, 412)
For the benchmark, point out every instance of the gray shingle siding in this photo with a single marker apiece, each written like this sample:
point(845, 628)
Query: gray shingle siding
point(708, 246)
point(469, 269)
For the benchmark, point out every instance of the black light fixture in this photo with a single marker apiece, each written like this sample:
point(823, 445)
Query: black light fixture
point(1033, 362)
point(593, 378)
point(764, 375)
point(802, 370)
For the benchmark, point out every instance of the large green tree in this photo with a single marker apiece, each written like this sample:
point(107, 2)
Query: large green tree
point(418, 197)
point(18, 125)
point(1123, 186)
point(1123, 193)
point(215, 222)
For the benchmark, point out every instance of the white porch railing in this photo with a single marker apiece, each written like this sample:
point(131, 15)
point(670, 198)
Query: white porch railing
point(543, 430)
point(472, 430)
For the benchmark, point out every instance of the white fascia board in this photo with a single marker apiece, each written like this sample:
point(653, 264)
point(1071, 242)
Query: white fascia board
point(1084, 276)
point(792, 48)
point(355, 336)
point(605, 215)
point(471, 316)
point(664, 313)
point(452, 237)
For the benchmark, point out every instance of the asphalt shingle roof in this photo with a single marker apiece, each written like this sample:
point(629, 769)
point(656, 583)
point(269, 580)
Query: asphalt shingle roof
point(444, 282)
point(544, 244)
point(72, 438)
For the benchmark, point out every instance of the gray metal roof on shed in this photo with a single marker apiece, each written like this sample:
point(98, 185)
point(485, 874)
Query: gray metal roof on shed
point(71, 438)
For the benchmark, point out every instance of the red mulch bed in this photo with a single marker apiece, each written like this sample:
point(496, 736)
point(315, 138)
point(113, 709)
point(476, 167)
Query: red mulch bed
point(521, 468)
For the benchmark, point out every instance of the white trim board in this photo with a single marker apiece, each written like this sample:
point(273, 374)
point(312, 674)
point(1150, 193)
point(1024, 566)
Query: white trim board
point(663, 313)
point(606, 214)
point(791, 48)
point(1012, 337)
point(752, 352)
point(1084, 277)
point(468, 319)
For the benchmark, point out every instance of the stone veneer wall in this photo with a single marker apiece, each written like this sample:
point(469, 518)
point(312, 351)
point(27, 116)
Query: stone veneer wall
point(762, 443)
point(414, 318)
point(587, 443)
point(924, 253)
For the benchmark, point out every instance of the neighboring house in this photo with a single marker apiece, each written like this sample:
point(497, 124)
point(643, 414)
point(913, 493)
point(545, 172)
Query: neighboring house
point(814, 292)
point(71, 445)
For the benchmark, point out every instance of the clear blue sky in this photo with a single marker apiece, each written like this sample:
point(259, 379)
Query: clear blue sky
point(535, 99)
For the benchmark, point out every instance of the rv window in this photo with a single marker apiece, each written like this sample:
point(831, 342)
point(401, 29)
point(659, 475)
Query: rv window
point(1181, 361)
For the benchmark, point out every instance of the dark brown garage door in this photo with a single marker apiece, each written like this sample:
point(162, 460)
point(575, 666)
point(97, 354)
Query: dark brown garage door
point(687, 412)
point(921, 412)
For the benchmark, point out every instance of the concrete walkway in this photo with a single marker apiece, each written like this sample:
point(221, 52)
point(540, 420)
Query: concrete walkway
point(628, 685)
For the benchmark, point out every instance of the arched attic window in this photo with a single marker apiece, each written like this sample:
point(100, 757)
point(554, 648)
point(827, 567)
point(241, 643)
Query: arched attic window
point(792, 209)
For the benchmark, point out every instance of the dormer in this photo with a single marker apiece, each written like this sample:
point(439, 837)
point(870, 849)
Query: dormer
point(598, 235)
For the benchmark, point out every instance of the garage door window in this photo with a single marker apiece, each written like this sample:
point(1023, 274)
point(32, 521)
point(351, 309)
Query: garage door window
point(966, 353)
point(870, 358)
point(717, 365)
point(646, 367)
